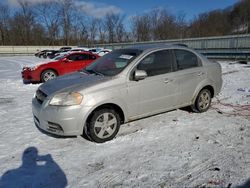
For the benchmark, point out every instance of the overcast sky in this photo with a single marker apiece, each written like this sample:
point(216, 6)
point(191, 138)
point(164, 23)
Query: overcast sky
point(99, 8)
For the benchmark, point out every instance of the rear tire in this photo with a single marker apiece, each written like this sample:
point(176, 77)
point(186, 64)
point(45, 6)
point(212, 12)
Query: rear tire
point(202, 101)
point(103, 125)
point(48, 75)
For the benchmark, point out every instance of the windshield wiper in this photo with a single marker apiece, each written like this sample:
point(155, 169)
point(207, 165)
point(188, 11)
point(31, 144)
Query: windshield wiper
point(84, 70)
point(97, 73)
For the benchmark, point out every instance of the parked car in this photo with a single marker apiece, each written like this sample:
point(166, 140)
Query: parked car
point(65, 48)
point(78, 50)
point(42, 53)
point(61, 65)
point(59, 54)
point(103, 52)
point(52, 54)
point(95, 50)
point(83, 47)
point(123, 86)
point(63, 52)
point(39, 52)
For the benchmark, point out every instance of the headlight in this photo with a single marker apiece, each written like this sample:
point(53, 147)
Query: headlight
point(33, 68)
point(66, 99)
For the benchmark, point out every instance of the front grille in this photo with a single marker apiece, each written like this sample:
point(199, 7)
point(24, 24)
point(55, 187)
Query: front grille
point(40, 96)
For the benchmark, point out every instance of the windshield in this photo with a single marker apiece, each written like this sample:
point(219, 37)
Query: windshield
point(114, 62)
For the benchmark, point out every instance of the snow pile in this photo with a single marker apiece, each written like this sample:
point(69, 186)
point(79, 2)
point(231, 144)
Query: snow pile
point(174, 149)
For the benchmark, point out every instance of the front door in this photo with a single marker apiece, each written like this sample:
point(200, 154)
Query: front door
point(159, 91)
point(76, 62)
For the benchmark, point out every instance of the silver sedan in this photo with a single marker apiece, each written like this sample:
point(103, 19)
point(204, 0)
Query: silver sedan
point(123, 86)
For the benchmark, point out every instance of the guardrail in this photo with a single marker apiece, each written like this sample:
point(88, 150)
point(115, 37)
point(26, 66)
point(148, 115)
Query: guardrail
point(236, 47)
point(231, 55)
point(220, 47)
point(218, 42)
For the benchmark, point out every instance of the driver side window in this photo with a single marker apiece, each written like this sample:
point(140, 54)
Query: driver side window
point(77, 57)
point(157, 63)
point(72, 57)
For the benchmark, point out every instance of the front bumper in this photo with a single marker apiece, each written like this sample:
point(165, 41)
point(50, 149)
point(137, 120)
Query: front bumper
point(62, 121)
point(29, 76)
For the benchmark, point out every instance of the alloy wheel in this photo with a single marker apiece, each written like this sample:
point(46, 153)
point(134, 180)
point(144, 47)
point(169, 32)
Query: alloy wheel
point(105, 125)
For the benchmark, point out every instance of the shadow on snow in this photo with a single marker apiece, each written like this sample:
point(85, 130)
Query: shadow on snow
point(35, 171)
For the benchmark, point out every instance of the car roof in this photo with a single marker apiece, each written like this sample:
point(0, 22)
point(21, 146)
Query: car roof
point(147, 47)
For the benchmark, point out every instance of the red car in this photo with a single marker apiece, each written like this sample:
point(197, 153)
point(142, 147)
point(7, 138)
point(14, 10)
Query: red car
point(62, 65)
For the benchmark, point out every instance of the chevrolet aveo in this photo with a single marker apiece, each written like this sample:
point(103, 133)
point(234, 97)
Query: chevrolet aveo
point(123, 86)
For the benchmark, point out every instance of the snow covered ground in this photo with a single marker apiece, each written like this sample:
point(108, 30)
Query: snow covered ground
point(174, 149)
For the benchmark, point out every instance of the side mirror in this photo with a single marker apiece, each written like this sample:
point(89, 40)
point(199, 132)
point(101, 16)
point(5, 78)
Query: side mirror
point(140, 75)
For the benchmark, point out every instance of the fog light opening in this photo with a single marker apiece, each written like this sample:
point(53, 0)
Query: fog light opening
point(54, 127)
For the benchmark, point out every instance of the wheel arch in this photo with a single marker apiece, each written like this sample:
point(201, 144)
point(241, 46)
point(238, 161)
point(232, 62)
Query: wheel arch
point(210, 88)
point(48, 68)
point(113, 106)
point(206, 86)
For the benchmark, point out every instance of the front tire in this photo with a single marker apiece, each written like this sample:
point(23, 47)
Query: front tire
point(203, 101)
point(48, 75)
point(103, 125)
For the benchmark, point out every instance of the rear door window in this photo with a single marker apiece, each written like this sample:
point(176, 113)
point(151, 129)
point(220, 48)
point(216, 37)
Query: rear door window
point(83, 57)
point(185, 59)
point(92, 57)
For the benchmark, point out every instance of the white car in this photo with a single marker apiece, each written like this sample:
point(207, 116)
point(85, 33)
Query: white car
point(103, 52)
point(95, 50)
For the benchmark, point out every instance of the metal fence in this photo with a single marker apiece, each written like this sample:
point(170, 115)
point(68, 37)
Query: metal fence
point(233, 46)
point(205, 43)
point(222, 47)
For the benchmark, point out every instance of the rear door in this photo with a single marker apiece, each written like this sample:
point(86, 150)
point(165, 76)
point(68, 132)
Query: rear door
point(190, 73)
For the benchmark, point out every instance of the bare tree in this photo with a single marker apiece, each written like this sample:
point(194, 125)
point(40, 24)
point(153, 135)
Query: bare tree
point(47, 15)
point(57, 22)
point(101, 31)
point(92, 30)
point(4, 22)
point(141, 27)
point(83, 32)
point(110, 21)
point(181, 24)
point(25, 21)
point(212, 23)
point(240, 16)
point(120, 30)
point(113, 25)
point(67, 9)
point(164, 26)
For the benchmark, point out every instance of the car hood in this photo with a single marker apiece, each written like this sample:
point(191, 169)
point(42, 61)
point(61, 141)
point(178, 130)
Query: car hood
point(70, 82)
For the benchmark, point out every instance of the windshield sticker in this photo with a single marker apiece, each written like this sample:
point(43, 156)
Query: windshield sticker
point(126, 56)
